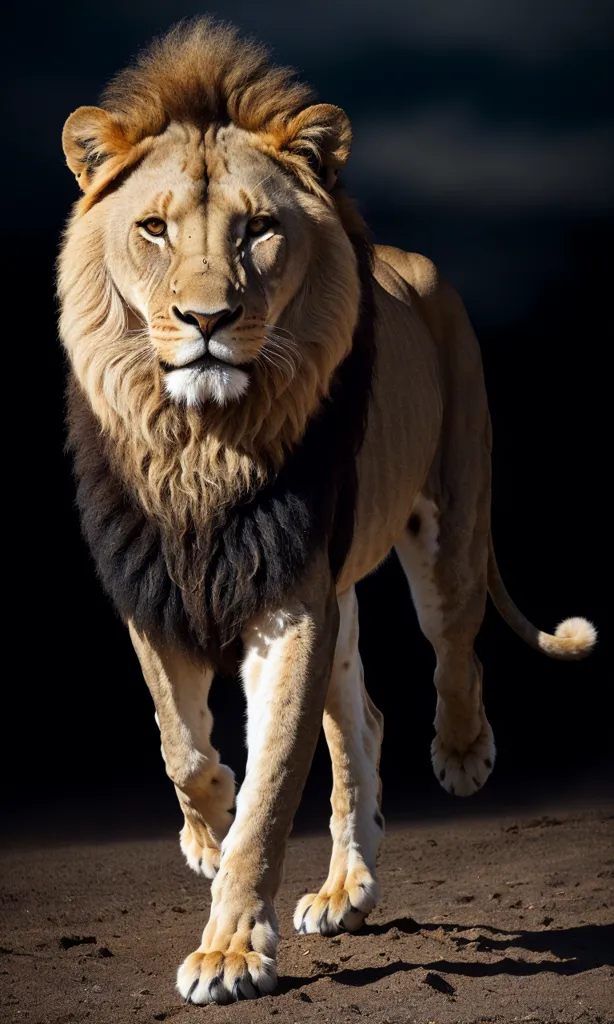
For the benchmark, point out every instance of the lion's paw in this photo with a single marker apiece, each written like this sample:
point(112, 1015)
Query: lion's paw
point(225, 977)
point(340, 910)
point(203, 858)
point(462, 774)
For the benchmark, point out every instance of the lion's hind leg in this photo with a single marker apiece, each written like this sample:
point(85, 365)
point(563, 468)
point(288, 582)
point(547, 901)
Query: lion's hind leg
point(444, 558)
point(353, 727)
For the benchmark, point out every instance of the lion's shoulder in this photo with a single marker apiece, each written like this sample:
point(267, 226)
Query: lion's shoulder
point(416, 279)
point(417, 271)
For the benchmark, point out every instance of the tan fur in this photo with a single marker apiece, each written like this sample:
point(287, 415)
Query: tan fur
point(204, 135)
point(204, 787)
point(286, 673)
point(354, 730)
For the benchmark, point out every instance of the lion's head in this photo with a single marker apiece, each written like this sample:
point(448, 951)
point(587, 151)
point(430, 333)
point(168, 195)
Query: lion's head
point(208, 284)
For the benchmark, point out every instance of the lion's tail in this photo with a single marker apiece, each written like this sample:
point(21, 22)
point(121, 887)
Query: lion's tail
point(572, 639)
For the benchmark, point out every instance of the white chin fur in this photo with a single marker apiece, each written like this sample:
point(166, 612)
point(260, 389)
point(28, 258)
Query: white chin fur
point(194, 386)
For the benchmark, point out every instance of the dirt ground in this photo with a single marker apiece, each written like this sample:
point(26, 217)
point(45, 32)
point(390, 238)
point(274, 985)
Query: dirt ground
point(491, 920)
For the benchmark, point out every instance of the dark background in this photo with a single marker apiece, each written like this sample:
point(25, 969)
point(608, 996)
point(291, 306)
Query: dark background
point(483, 138)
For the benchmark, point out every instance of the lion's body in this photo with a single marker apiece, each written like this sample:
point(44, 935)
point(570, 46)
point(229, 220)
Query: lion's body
point(261, 408)
point(407, 403)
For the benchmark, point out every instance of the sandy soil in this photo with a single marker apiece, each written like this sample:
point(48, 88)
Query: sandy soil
point(493, 920)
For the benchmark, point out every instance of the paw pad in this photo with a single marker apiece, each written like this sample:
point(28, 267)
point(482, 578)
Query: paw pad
point(463, 773)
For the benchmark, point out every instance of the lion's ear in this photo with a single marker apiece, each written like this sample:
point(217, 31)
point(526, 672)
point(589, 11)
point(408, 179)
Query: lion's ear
point(90, 137)
point(322, 135)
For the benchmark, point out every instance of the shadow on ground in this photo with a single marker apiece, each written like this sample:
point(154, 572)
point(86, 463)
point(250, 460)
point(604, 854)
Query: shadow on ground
point(578, 949)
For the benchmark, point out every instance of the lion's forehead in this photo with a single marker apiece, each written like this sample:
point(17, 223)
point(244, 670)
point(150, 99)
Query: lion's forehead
point(188, 169)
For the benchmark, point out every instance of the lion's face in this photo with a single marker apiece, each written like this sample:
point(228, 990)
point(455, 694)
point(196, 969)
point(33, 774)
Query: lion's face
point(209, 287)
point(208, 242)
point(208, 277)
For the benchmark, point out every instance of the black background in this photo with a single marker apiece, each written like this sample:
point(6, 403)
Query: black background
point(483, 139)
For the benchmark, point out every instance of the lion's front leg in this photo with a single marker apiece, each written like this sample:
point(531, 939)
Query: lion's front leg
point(205, 788)
point(286, 672)
point(353, 727)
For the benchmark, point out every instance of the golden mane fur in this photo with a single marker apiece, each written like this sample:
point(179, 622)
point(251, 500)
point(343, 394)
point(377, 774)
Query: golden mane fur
point(183, 462)
point(204, 73)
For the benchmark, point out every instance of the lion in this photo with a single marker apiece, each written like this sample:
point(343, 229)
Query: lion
point(261, 406)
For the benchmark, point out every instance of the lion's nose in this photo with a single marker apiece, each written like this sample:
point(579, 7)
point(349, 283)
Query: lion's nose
point(208, 322)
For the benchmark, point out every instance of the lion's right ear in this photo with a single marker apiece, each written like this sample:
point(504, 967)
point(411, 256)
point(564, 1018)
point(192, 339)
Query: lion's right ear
point(90, 137)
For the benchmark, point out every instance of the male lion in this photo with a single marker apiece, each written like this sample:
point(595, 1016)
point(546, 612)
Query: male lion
point(260, 407)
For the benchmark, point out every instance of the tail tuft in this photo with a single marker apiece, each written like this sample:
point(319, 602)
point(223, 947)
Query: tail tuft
point(573, 638)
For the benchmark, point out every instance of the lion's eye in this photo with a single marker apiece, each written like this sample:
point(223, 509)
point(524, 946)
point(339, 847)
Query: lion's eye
point(258, 225)
point(154, 226)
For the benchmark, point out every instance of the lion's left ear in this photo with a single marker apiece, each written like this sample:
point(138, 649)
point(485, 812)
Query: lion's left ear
point(322, 135)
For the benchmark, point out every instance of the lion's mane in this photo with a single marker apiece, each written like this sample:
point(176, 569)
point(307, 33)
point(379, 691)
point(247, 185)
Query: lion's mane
point(199, 519)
